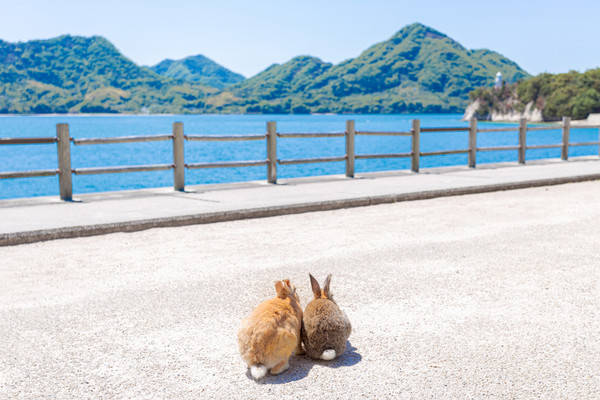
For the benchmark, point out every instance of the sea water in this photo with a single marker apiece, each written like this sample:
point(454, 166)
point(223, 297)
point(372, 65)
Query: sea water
point(44, 156)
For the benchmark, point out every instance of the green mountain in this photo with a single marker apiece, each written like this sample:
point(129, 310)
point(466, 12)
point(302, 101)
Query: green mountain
point(198, 69)
point(573, 94)
point(417, 70)
point(79, 74)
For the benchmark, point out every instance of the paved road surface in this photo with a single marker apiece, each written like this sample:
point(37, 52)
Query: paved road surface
point(484, 296)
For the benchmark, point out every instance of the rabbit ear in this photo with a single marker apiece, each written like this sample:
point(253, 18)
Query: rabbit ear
point(282, 289)
point(315, 287)
point(326, 291)
point(287, 282)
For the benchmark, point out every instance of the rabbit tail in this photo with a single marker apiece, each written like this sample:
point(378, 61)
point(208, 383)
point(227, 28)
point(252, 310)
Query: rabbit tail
point(258, 371)
point(328, 355)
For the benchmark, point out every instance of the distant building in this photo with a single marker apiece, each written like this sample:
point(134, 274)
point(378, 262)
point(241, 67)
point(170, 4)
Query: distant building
point(498, 83)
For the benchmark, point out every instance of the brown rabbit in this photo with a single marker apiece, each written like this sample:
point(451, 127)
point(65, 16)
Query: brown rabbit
point(269, 336)
point(325, 327)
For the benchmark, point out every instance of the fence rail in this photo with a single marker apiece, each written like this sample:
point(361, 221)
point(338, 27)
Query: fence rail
point(311, 160)
point(34, 140)
point(444, 152)
point(543, 128)
point(391, 155)
point(498, 148)
point(374, 133)
point(500, 130)
point(118, 169)
point(584, 144)
point(310, 135)
point(229, 164)
point(458, 129)
point(544, 146)
point(178, 139)
point(122, 139)
point(28, 174)
point(230, 138)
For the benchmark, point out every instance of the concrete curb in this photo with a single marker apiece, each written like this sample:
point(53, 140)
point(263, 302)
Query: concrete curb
point(16, 238)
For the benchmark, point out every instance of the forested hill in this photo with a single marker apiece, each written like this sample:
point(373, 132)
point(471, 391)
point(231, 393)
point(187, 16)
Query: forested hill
point(573, 94)
point(80, 74)
point(198, 69)
point(417, 70)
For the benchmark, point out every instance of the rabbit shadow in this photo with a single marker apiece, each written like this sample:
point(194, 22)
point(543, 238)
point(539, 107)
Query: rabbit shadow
point(348, 359)
point(300, 366)
point(299, 369)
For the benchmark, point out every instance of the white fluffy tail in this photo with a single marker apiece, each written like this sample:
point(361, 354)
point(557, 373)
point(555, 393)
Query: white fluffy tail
point(328, 355)
point(258, 371)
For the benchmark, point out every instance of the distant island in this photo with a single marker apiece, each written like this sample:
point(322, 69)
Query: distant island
point(198, 69)
point(418, 70)
point(546, 97)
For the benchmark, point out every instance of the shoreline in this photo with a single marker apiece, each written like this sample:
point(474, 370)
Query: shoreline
point(207, 114)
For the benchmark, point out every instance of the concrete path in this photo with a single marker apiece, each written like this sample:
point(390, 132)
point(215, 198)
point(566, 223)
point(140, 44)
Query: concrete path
point(493, 295)
point(35, 219)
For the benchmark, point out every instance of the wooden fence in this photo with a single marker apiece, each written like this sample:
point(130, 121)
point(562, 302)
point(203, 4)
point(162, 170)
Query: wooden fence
point(178, 138)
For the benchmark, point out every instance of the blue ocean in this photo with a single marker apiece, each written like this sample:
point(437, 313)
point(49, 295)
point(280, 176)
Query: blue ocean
point(43, 156)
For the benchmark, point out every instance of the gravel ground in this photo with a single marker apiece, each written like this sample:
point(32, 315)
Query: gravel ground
point(484, 296)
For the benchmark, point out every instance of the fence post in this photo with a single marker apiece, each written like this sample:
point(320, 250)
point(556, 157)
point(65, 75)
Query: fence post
point(522, 140)
point(473, 143)
point(416, 147)
point(566, 130)
point(63, 147)
point(178, 157)
point(272, 152)
point(350, 133)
